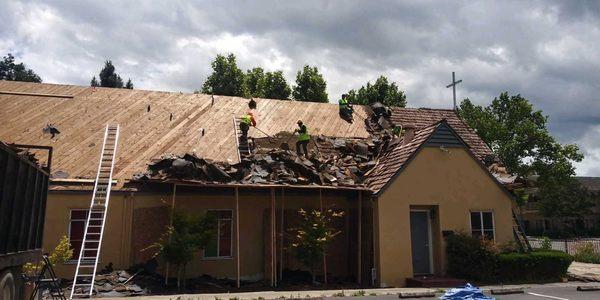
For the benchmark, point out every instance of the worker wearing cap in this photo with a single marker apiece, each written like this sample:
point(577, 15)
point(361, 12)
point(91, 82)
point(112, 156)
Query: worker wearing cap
point(345, 108)
point(247, 121)
point(303, 139)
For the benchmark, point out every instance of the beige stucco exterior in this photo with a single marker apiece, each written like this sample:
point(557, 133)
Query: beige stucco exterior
point(451, 184)
point(121, 243)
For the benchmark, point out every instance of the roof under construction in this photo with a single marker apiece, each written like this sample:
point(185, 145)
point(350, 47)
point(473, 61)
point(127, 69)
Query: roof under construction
point(155, 123)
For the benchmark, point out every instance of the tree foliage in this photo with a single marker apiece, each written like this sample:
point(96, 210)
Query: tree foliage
point(186, 236)
point(518, 134)
point(227, 79)
point(275, 86)
point(61, 254)
point(381, 91)
point(310, 85)
point(109, 78)
point(313, 235)
point(254, 81)
point(11, 71)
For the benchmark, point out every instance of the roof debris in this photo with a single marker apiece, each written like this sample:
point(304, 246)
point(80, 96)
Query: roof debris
point(332, 162)
point(340, 162)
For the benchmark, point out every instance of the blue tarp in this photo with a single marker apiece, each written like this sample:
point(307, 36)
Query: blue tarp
point(467, 292)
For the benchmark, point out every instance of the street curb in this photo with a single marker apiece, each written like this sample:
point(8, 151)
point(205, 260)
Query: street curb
point(588, 288)
point(404, 295)
point(507, 291)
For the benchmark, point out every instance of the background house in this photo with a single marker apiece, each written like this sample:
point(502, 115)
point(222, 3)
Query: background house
point(588, 225)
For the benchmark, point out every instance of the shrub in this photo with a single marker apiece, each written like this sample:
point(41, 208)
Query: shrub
point(471, 258)
point(585, 253)
point(533, 266)
point(479, 260)
point(61, 254)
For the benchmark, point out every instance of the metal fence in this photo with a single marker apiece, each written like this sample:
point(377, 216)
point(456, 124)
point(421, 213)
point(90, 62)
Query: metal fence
point(567, 245)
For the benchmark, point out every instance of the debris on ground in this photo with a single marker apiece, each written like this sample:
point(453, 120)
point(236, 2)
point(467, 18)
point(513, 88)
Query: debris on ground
point(115, 284)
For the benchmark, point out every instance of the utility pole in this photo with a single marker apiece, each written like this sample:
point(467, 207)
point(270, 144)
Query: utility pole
point(453, 85)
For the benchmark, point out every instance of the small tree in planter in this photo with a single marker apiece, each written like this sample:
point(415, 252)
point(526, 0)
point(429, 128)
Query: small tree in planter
point(313, 235)
point(187, 236)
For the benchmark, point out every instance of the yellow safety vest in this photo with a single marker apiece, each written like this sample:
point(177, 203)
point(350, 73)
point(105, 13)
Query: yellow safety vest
point(247, 119)
point(343, 102)
point(304, 136)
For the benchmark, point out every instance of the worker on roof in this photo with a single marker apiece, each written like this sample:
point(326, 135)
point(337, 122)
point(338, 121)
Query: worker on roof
point(247, 121)
point(346, 109)
point(303, 138)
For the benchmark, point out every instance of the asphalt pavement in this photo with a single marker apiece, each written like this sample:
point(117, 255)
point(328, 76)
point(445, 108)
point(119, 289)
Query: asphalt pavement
point(530, 293)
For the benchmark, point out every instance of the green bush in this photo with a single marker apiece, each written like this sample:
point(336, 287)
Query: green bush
point(479, 260)
point(533, 266)
point(585, 253)
point(471, 258)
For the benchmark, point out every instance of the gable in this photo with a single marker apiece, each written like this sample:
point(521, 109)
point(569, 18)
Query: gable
point(444, 136)
point(439, 135)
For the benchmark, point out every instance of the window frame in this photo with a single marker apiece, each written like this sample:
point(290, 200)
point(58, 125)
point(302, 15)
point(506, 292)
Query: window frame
point(482, 228)
point(218, 236)
point(75, 257)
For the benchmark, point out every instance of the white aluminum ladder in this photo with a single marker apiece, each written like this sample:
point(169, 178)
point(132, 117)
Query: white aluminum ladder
point(83, 282)
point(242, 145)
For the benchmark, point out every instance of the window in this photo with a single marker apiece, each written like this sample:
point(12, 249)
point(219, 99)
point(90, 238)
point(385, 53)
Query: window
point(482, 224)
point(220, 246)
point(77, 221)
point(76, 230)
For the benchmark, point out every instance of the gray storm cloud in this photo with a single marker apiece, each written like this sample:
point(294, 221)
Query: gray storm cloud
point(544, 50)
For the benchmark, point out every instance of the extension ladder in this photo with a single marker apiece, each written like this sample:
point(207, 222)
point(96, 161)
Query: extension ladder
point(519, 234)
point(83, 282)
point(243, 147)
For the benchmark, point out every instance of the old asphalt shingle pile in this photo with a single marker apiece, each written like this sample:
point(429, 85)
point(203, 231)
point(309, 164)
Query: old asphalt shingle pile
point(335, 162)
point(115, 284)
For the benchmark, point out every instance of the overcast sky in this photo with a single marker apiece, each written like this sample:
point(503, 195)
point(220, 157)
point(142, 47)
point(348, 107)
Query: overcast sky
point(548, 51)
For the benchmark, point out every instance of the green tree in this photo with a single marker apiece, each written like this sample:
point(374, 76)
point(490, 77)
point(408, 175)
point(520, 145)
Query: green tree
point(518, 134)
point(310, 85)
point(129, 84)
point(313, 235)
point(381, 91)
point(227, 79)
point(11, 71)
point(275, 86)
point(109, 78)
point(187, 235)
point(564, 198)
point(94, 82)
point(254, 81)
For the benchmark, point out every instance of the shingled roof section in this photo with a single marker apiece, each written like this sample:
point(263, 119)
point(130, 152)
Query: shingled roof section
point(390, 163)
point(419, 118)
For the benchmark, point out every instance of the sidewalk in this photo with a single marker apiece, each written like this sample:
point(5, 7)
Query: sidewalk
point(331, 293)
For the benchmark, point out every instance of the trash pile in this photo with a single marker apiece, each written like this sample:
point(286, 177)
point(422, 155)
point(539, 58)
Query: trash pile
point(115, 284)
point(24, 153)
point(335, 162)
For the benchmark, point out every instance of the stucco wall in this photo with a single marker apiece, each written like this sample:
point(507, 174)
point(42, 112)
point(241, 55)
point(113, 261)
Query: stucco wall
point(115, 244)
point(125, 237)
point(453, 184)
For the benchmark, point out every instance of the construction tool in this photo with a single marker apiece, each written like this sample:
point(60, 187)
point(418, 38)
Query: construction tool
point(270, 137)
point(85, 272)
